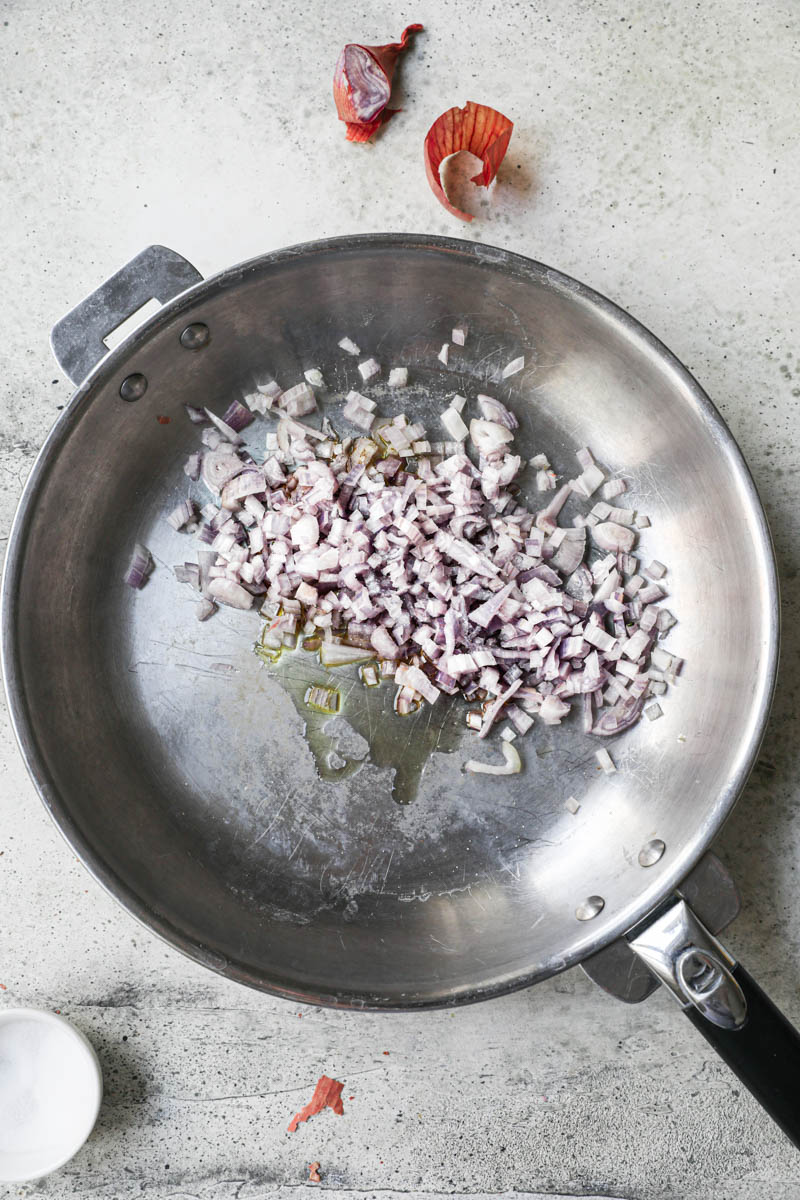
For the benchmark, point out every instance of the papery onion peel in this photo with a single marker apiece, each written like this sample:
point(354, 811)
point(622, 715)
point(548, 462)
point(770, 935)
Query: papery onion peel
point(362, 85)
point(327, 1094)
point(481, 130)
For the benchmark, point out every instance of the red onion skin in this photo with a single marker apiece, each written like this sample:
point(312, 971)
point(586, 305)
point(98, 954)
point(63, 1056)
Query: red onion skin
point(385, 58)
point(475, 127)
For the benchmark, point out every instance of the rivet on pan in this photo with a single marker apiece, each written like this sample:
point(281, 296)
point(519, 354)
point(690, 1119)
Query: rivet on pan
point(133, 387)
point(651, 852)
point(590, 908)
point(194, 337)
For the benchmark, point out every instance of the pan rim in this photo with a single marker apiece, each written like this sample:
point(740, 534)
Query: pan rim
point(57, 805)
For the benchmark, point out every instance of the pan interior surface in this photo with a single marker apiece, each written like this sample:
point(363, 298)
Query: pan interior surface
point(178, 765)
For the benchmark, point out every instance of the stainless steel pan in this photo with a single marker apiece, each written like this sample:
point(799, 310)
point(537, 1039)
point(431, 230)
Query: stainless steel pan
point(177, 765)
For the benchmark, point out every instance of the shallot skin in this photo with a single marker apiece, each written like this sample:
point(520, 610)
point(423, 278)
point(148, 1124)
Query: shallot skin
point(362, 85)
point(481, 130)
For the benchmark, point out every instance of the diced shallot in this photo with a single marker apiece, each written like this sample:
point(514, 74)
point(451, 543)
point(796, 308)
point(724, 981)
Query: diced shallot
point(398, 377)
point(305, 532)
point(454, 425)
point(384, 643)
point(414, 678)
point(222, 427)
point(369, 369)
point(609, 536)
point(493, 410)
point(188, 573)
point(236, 416)
point(490, 716)
point(247, 483)
point(552, 710)
point(606, 761)
point(219, 466)
point(656, 570)
point(181, 515)
point(140, 566)
point(488, 436)
point(513, 368)
point(227, 591)
point(589, 481)
point(299, 400)
point(322, 699)
point(334, 655)
point(618, 718)
point(511, 766)
point(359, 410)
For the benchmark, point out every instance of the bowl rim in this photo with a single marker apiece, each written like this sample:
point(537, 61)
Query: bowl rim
point(65, 1027)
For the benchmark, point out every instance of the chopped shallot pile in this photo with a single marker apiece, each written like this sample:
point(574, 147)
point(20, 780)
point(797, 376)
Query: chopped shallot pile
point(407, 549)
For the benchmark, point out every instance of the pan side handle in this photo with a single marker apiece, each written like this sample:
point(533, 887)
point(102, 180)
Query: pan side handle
point(156, 273)
point(728, 1007)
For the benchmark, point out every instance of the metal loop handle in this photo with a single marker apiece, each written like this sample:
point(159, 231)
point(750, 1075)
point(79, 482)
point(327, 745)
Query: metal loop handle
point(709, 985)
point(157, 273)
point(696, 968)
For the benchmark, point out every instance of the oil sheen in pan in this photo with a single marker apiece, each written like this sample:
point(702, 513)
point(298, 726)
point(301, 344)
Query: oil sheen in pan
point(367, 725)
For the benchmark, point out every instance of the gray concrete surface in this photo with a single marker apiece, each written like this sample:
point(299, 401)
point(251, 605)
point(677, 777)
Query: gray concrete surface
point(655, 156)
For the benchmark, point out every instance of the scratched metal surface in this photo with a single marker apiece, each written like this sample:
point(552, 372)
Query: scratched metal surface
point(178, 764)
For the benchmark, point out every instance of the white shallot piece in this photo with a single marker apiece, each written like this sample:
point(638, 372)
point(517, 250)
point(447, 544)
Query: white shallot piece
point(398, 377)
point(315, 377)
point(513, 368)
point(453, 567)
point(369, 369)
point(511, 766)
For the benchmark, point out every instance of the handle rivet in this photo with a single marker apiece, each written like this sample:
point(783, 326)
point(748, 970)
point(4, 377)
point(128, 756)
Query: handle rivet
point(590, 908)
point(651, 852)
point(194, 337)
point(133, 387)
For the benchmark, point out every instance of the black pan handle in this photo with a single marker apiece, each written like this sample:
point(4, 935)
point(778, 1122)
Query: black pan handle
point(764, 1052)
point(729, 1008)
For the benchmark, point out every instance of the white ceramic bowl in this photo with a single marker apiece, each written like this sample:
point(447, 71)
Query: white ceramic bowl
point(51, 1086)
